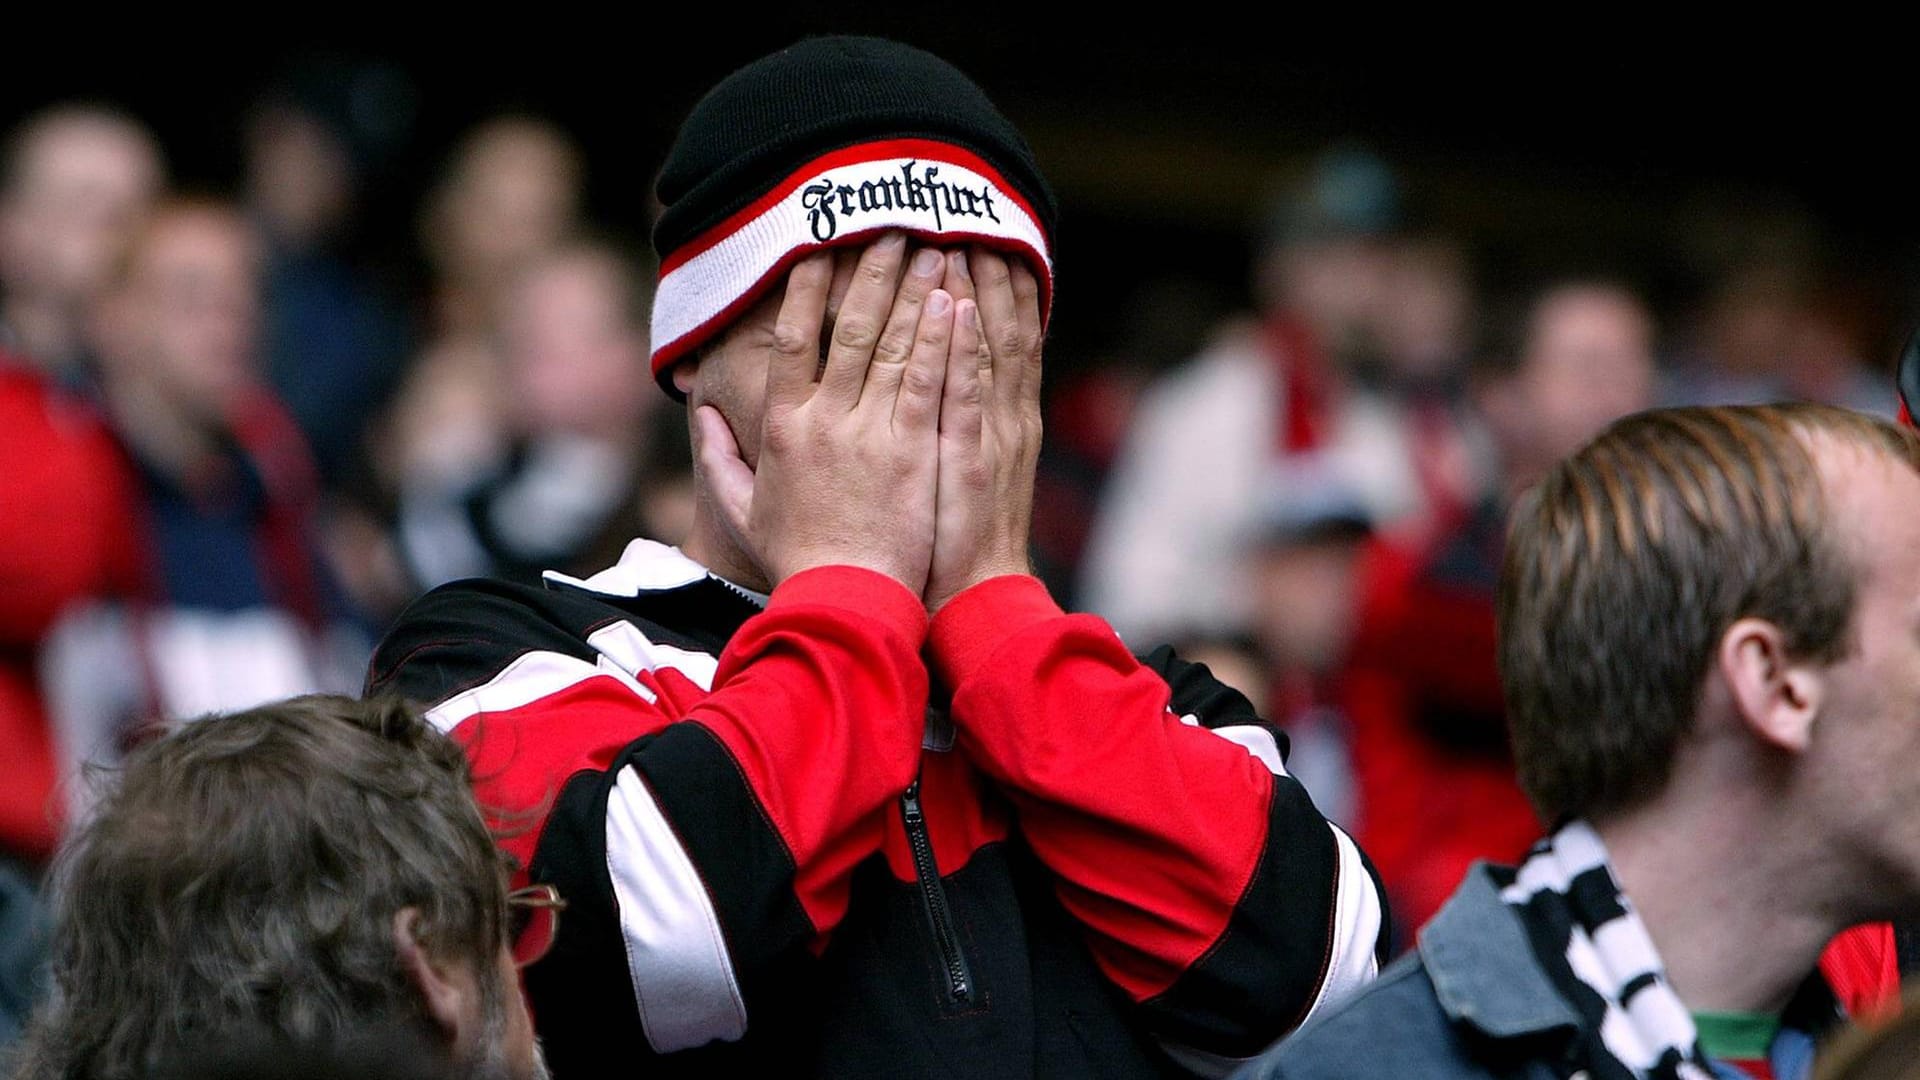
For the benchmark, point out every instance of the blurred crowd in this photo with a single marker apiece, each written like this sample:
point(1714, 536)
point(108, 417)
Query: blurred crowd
point(234, 449)
point(1315, 501)
point(234, 453)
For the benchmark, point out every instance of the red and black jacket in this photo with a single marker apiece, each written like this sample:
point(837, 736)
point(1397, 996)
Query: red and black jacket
point(776, 854)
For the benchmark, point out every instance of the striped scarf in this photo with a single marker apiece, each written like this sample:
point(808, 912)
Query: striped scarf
point(1595, 948)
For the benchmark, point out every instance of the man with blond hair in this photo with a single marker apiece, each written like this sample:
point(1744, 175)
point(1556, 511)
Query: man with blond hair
point(75, 182)
point(1710, 645)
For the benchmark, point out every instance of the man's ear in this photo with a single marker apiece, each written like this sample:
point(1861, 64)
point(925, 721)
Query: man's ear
point(450, 994)
point(1777, 696)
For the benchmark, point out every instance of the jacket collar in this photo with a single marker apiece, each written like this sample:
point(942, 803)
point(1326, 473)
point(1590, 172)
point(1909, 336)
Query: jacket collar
point(663, 585)
point(650, 566)
point(1483, 969)
point(1484, 974)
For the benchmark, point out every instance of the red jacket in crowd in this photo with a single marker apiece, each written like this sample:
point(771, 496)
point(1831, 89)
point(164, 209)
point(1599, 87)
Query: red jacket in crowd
point(66, 535)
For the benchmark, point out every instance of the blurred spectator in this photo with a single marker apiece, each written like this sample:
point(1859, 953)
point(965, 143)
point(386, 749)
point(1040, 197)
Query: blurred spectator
point(1773, 331)
point(313, 871)
point(237, 607)
point(1424, 321)
point(1313, 375)
point(75, 180)
point(74, 183)
point(567, 492)
point(511, 195)
point(66, 537)
point(1556, 368)
point(1304, 566)
point(1422, 317)
point(1432, 762)
point(333, 343)
point(1088, 411)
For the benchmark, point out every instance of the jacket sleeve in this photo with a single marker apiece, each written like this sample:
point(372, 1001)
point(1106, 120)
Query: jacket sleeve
point(702, 839)
point(1211, 890)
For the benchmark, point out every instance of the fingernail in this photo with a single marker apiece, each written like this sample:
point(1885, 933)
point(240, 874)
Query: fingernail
point(893, 240)
point(937, 303)
point(960, 266)
point(925, 262)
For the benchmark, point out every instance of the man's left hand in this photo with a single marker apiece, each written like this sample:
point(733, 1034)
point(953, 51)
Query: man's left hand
point(989, 425)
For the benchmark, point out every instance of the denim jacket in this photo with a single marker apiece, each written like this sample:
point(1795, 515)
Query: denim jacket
point(1471, 1003)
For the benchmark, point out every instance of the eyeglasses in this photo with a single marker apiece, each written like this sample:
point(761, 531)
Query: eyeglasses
point(533, 922)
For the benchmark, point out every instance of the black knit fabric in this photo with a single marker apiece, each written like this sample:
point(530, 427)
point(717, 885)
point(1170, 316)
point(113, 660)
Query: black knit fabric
point(772, 116)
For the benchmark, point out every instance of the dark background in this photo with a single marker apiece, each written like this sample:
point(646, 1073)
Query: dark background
point(1164, 132)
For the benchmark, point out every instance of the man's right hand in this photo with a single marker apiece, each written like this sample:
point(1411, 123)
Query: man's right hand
point(849, 460)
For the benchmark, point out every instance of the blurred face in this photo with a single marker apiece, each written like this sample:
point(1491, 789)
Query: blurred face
point(300, 176)
point(1589, 362)
point(1308, 603)
point(576, 361)
point(1335, 285)
point(185, 322)
point(1866, 738)
point(515, 195)
point(1423, 311)
point(1752, 323)
point(82, 186)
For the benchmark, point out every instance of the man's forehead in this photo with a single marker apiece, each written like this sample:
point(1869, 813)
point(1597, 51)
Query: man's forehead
point(1874, 493)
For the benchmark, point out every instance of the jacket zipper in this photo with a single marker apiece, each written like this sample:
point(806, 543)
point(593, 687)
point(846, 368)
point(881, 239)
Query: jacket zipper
point(934, 895)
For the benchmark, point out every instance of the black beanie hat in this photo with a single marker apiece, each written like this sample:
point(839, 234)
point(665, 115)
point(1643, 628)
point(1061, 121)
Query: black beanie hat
point(828, 143)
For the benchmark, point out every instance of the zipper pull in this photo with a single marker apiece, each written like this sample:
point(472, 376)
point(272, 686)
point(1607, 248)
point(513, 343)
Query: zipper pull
point(910, 803)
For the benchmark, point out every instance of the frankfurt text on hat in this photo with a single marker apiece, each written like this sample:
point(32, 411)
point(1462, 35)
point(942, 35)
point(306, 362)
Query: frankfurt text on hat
point(827, 202)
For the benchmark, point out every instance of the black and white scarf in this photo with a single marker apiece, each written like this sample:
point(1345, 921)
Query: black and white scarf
point(1596, 949)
